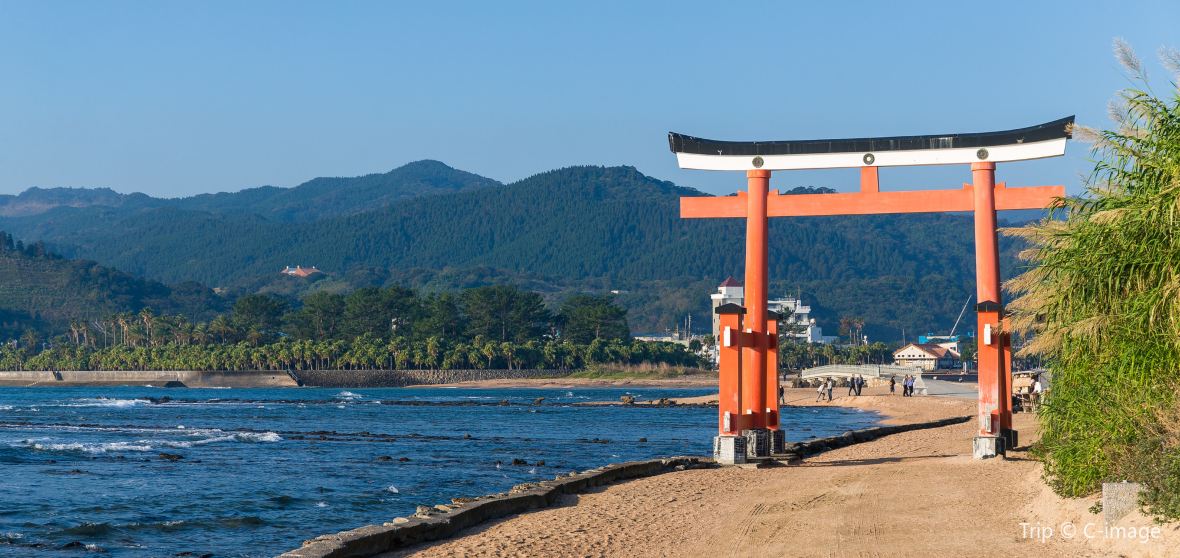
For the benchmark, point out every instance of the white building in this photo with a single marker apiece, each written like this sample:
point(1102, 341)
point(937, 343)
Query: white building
point(796, 317)
point(730, 291)
point(928, 356)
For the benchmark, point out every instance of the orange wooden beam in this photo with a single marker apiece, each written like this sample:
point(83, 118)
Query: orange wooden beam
point(870, 202)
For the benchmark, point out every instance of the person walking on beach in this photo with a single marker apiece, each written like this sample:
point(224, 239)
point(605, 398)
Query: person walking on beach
point(905, 386)
point(852, 385)
point(892, 385)
point(782, 395)
point(820, 390)
point(860, 384)
point(831, 385)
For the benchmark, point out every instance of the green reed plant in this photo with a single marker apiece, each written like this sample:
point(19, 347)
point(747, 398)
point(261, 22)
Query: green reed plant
point(1102, 300)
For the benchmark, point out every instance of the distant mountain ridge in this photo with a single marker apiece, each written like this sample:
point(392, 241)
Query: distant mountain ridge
point(578, 228)
point(315, 199)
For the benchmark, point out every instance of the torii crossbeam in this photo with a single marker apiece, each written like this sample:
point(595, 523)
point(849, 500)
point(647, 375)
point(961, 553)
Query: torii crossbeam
point(748, 414)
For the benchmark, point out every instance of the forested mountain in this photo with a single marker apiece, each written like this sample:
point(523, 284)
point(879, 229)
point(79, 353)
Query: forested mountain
point(330, 197)
point(40, 290)
point(314, 199)
point(588, 229)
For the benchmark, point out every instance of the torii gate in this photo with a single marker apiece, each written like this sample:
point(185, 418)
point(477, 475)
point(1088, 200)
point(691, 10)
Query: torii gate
point(748, 414)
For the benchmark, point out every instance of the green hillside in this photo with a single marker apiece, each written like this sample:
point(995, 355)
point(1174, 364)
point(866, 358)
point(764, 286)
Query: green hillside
point(43, 291)
point(579, 229)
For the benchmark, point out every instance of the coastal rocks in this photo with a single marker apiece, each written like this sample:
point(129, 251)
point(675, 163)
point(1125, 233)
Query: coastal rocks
point(79, 545)
point(403, 460)
point(402, 378)
point(643, 440)
point(384, 458)
point(171, 457)
point(518, 461)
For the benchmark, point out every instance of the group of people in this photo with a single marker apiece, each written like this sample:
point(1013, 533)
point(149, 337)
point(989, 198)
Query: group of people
point(825, 387)
point(855, 384)
point(907, 385)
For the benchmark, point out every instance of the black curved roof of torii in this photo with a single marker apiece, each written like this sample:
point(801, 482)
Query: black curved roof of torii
point(1057, 129)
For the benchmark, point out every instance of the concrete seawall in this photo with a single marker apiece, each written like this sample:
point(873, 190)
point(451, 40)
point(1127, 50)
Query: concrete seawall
point(187, 378)
point(263, 378)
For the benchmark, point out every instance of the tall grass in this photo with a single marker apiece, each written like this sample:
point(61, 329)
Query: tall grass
point(1103, 300)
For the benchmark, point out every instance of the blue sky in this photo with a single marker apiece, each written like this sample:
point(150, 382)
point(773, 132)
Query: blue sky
point(178, 98)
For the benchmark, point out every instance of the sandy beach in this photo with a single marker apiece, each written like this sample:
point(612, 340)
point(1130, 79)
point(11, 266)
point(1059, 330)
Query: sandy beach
point(911, 494)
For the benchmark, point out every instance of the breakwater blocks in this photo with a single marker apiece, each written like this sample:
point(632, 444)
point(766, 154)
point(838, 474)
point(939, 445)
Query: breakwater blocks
point(447, 520)
point(402, 378)
point(442, 521)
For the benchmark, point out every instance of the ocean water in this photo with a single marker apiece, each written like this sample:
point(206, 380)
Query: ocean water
point(88, 470)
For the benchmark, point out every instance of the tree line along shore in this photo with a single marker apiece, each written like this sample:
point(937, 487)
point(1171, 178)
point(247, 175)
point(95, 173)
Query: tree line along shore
point(395, 328)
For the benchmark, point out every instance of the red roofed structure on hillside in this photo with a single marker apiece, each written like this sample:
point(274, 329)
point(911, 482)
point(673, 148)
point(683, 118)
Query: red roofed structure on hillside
point(300, 271)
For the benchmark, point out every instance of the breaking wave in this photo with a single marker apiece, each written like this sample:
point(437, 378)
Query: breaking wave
point(93, 448)
point(106, 402)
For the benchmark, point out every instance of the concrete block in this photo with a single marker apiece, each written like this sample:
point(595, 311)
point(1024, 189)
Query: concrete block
point(729, 450)
point(1011, 438)
point(987, 447)
point(1119, 499)
point(757, 442)
point(778, 441)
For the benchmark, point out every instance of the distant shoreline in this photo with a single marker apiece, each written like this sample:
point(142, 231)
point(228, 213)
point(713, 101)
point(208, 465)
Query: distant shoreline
point(557, 383)
point(353, 379)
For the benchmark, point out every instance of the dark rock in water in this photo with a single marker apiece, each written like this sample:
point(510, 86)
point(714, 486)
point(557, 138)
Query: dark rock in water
point(403, 459)
point(384, 458)
point(174, 384)
point(171, 456)
point(540, 463)
point(194, 554)
point(518, 461)
point(504, 403)
point(599, 441)
point(158, 400)
point(642, 440)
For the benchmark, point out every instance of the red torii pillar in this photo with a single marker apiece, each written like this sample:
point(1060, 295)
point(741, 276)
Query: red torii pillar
point(749, 388)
